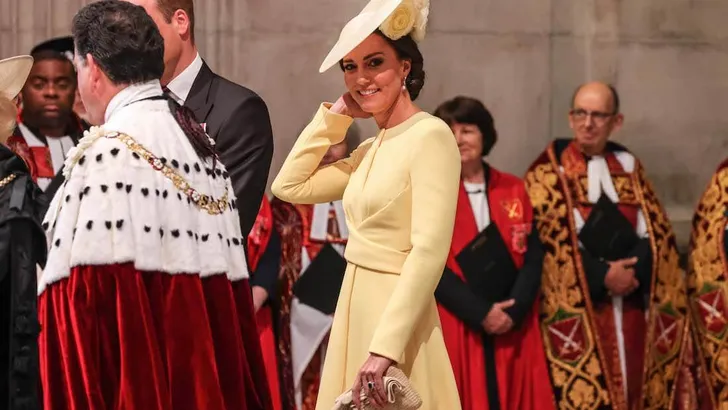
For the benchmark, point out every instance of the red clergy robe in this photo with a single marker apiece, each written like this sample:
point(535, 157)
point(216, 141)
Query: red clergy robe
point(293, 223)
point(37, 154)
point(517, 361)
point(707, 267)
point(264, 258)
point(579, 330)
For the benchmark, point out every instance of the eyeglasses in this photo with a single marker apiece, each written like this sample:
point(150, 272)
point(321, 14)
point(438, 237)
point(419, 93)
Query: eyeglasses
point(599, 118)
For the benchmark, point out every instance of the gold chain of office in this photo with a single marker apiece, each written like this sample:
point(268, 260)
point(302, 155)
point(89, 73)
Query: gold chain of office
point(205, 202)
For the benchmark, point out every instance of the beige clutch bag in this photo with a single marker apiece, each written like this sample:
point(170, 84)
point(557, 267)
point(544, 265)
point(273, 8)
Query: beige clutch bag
point(400, 394)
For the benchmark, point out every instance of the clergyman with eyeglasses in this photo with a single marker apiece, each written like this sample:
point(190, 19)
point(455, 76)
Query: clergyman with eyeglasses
point(614, 295)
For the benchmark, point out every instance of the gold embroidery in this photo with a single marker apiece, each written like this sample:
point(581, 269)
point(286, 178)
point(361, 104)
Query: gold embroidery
point(668, 322)
point(581, 378)
point(579, 382)
point(623, 184)
point(514, 208)
point(707, 285)
point(205, 202)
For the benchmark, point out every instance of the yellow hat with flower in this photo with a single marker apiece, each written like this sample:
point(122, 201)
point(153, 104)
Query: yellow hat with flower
point(394, 18)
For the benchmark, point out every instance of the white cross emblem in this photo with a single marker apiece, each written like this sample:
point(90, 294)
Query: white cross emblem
point(569, 345)
point(665, 332)
point(711, 309)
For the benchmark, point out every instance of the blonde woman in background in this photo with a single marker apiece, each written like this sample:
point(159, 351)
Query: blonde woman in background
point(22, 247)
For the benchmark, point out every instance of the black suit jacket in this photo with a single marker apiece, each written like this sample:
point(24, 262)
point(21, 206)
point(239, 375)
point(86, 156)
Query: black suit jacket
point(238, 120)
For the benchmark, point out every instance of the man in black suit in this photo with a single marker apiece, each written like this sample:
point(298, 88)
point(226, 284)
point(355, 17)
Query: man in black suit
point(237, 119)
point(234, 116)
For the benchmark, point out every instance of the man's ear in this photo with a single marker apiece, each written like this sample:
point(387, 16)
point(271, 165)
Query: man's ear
point(618, 121)
point(94, 70)
point(181, 21)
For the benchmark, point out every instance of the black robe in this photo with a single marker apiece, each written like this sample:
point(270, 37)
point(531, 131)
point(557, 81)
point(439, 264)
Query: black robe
point(22, 248)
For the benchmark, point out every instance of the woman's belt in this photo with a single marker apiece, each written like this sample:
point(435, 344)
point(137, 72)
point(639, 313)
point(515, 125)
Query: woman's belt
point(362, 252)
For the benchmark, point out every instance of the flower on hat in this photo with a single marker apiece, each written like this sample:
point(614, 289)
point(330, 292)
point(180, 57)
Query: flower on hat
point(401, 21)
point(423, 11)
point(410, 17)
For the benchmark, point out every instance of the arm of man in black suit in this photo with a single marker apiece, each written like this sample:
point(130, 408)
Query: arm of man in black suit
point(245, 144)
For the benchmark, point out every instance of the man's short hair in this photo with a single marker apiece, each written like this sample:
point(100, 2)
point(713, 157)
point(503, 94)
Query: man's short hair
point(122, 39)
point(52, 55)
point(168, 7)
point(612, 89)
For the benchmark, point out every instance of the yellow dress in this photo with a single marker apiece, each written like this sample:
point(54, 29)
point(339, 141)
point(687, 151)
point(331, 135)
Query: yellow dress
point(399, 192)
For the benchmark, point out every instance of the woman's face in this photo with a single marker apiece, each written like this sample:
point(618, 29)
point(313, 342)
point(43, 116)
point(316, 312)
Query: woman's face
point(374, 75)
point(470, 141)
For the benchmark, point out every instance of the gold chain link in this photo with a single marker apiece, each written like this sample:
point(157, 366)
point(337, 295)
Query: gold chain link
point(8, 179)
point(205, 202)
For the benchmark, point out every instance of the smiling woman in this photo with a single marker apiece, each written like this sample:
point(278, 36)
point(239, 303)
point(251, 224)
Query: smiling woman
point(402, 49)
point(399, 191)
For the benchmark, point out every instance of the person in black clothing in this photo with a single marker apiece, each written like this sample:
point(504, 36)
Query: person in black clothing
point(47, 126)
point(22, 248)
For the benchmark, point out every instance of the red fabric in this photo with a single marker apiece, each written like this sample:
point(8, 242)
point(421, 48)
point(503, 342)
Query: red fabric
point(264, 317)
point(633, 316)
point(38, 159)
point(520, 359)
point(574, 164)
point(260, 234)
point(117, 338)
point(257, 243)
point(17, 144)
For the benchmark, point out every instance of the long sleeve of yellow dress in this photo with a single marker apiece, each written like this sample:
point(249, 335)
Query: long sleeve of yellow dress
point(300, 179)
point(435, 178)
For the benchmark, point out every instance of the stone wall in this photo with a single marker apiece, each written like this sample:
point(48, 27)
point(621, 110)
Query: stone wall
point(523, 58)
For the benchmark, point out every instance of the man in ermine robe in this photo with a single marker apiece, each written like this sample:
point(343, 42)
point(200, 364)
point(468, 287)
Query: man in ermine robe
point(304, 318)
point(144, 302)
point(614, 310)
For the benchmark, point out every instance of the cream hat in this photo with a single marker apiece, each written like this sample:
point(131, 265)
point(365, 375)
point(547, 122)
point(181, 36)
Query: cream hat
point(13, 73)
point(395, 18)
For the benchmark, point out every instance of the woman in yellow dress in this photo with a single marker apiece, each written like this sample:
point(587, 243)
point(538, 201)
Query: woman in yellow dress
point(399, 192)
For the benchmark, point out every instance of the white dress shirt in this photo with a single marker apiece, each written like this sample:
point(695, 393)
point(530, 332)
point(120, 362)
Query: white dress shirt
point(180, 86)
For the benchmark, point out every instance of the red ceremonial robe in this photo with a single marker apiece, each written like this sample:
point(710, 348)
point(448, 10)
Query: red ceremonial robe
point(707, 280)
point(259, 247)
point(293, 222)
point(577, 319)
point(520, 363)
point(144, 301)
point(38, 158)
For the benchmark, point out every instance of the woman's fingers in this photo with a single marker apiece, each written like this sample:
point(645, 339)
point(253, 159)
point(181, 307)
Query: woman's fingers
point(379, 390)
point(356, 390)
